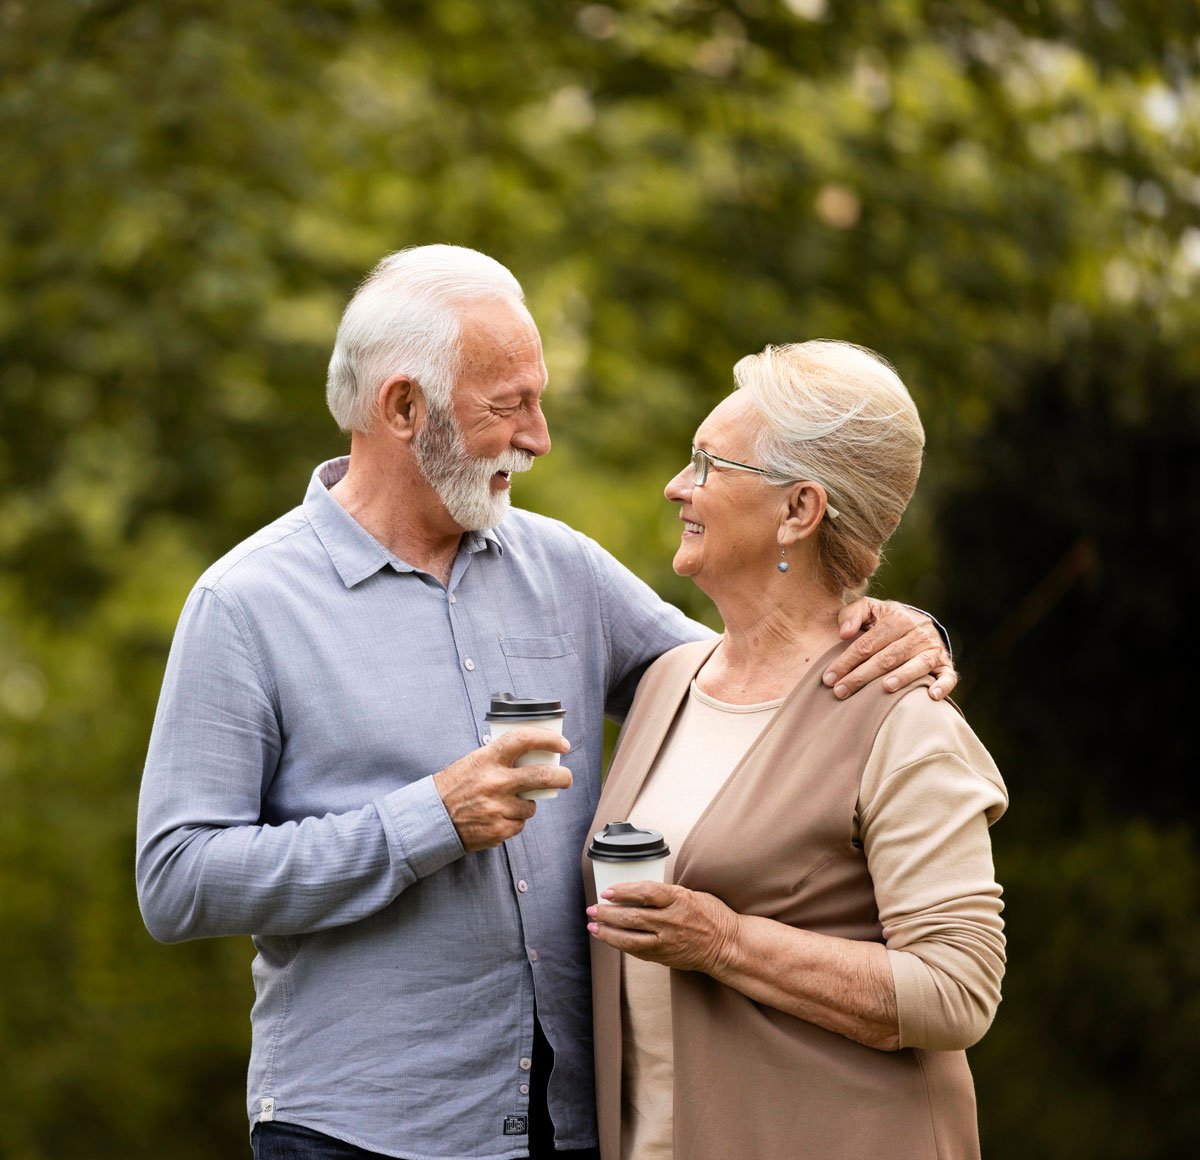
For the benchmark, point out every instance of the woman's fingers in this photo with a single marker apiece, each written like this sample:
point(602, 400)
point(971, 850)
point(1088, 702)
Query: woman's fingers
point(689, 930)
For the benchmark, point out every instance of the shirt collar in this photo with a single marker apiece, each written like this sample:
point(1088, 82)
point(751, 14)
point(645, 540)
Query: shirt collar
point(355, 553)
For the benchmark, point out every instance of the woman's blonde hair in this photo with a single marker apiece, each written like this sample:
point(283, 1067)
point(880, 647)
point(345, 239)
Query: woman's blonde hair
point(837, 414)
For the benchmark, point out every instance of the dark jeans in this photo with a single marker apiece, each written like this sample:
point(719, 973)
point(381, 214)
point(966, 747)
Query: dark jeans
point(279, 1141)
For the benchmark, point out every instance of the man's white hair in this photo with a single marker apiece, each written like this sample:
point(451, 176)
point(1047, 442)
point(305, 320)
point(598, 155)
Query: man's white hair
point(405, 319)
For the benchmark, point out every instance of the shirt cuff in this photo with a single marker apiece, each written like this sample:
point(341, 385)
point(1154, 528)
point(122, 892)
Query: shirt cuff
point(420, 829)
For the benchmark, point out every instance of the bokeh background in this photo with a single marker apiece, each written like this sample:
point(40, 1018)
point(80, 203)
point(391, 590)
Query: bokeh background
point(1002, 197)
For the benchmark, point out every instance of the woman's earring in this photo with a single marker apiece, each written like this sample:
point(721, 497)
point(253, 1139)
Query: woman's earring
point(783, 564)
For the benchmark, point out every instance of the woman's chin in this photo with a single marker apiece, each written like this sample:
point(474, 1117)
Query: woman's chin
point(683, 564)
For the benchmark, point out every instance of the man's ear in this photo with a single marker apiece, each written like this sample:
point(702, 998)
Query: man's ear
point(400, 405)
point(806, 503)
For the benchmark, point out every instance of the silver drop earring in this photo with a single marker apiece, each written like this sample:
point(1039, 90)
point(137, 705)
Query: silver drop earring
point(783, 565)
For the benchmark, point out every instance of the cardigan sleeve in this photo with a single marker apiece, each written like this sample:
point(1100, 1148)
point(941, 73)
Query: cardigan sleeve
point(929, 793)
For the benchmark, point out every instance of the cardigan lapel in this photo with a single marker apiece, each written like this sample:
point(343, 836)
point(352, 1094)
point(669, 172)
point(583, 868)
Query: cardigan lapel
point(795, 704)
point(659, 697)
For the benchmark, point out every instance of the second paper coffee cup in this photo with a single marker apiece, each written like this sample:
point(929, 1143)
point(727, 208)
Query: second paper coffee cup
point(508, 712)
point(621, 852)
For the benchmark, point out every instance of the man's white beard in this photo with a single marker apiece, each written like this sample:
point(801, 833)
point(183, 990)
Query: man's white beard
point(463, 483)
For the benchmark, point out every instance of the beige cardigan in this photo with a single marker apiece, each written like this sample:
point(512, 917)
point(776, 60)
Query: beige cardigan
point(752, 1081)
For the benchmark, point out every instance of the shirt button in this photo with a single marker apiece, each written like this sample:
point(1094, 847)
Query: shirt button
point(469, 665)
point(524, 1089)
point(526, 1064)
point(532, 955)
point(453, 598)
point(522, 886)
point(485, 739)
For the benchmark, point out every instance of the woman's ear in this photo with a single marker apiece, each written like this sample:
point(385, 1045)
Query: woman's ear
point(806, 503)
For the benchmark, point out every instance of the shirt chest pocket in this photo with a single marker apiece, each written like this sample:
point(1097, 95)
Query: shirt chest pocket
point(543, 666)
point(548, 667)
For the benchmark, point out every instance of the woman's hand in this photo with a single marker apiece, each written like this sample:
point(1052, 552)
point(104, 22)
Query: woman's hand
point(667, 924)
point(840, 984)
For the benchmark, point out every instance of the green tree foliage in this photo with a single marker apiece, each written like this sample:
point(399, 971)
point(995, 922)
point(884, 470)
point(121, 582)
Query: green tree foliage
point(1000, 195)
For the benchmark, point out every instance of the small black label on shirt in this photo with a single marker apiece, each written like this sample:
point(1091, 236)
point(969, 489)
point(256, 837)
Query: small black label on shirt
point(516, 1125)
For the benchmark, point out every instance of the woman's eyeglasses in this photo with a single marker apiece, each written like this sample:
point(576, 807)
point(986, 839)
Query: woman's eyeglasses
point(703, 460)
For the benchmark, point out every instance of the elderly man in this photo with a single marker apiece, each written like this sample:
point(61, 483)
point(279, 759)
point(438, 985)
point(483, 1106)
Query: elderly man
point(320, 775)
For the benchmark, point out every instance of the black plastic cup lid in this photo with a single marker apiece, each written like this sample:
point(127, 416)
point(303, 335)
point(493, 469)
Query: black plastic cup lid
point(624, 842)
point(508, 707)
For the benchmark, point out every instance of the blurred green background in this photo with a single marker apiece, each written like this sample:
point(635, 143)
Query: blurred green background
point(1002, 197)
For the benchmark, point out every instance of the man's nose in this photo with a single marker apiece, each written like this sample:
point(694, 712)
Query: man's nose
point(534, 435)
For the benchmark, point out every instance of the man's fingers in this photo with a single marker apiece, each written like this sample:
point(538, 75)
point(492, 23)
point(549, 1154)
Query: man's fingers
point(854, 615)
point(931, 662)
point(882, 633)
point(945, 681)
point(511, 819)
point(480, 790)
point(890, 644)
point(529, 777)
point(913, 669)
point(517, 742)
point(876, 665)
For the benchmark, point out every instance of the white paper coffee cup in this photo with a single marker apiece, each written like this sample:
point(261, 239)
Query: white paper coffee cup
point(508, 713)
point(622, 852)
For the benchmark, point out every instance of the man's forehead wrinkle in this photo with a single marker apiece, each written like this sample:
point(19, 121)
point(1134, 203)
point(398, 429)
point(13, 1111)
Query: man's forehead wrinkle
point(506, 340)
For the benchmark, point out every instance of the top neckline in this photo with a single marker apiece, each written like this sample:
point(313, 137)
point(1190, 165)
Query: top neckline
point(728, 707)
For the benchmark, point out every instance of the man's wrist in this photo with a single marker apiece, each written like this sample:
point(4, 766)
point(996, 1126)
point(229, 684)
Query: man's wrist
point(936, 624)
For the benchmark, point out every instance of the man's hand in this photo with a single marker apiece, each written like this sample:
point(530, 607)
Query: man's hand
point(480, 790)
point(900, 642)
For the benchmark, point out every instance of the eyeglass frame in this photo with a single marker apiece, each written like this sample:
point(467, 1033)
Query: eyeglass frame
point(703, 460)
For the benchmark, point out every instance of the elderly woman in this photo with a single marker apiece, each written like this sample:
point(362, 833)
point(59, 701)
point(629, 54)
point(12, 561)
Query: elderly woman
point(828, 940)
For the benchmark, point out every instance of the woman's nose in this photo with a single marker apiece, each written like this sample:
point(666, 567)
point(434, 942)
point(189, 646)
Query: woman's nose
point(679, 485)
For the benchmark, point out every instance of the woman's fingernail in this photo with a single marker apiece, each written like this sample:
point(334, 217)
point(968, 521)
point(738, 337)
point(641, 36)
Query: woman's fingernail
point(591, 910)
point(608, 893)
point(593, 927)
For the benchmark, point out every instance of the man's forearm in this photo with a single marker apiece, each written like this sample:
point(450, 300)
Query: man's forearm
point(199, 881)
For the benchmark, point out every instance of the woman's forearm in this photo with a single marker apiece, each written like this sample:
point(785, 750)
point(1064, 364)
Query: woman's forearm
point(842, 985)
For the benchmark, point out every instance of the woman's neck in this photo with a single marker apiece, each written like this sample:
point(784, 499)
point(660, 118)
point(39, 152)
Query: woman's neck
point(770, 643)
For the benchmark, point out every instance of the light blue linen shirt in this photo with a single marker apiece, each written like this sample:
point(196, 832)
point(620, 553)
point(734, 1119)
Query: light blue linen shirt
point(315, 684)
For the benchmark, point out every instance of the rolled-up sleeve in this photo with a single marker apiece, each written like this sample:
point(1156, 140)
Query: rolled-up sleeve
point(206, 864)
point(930, 794)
